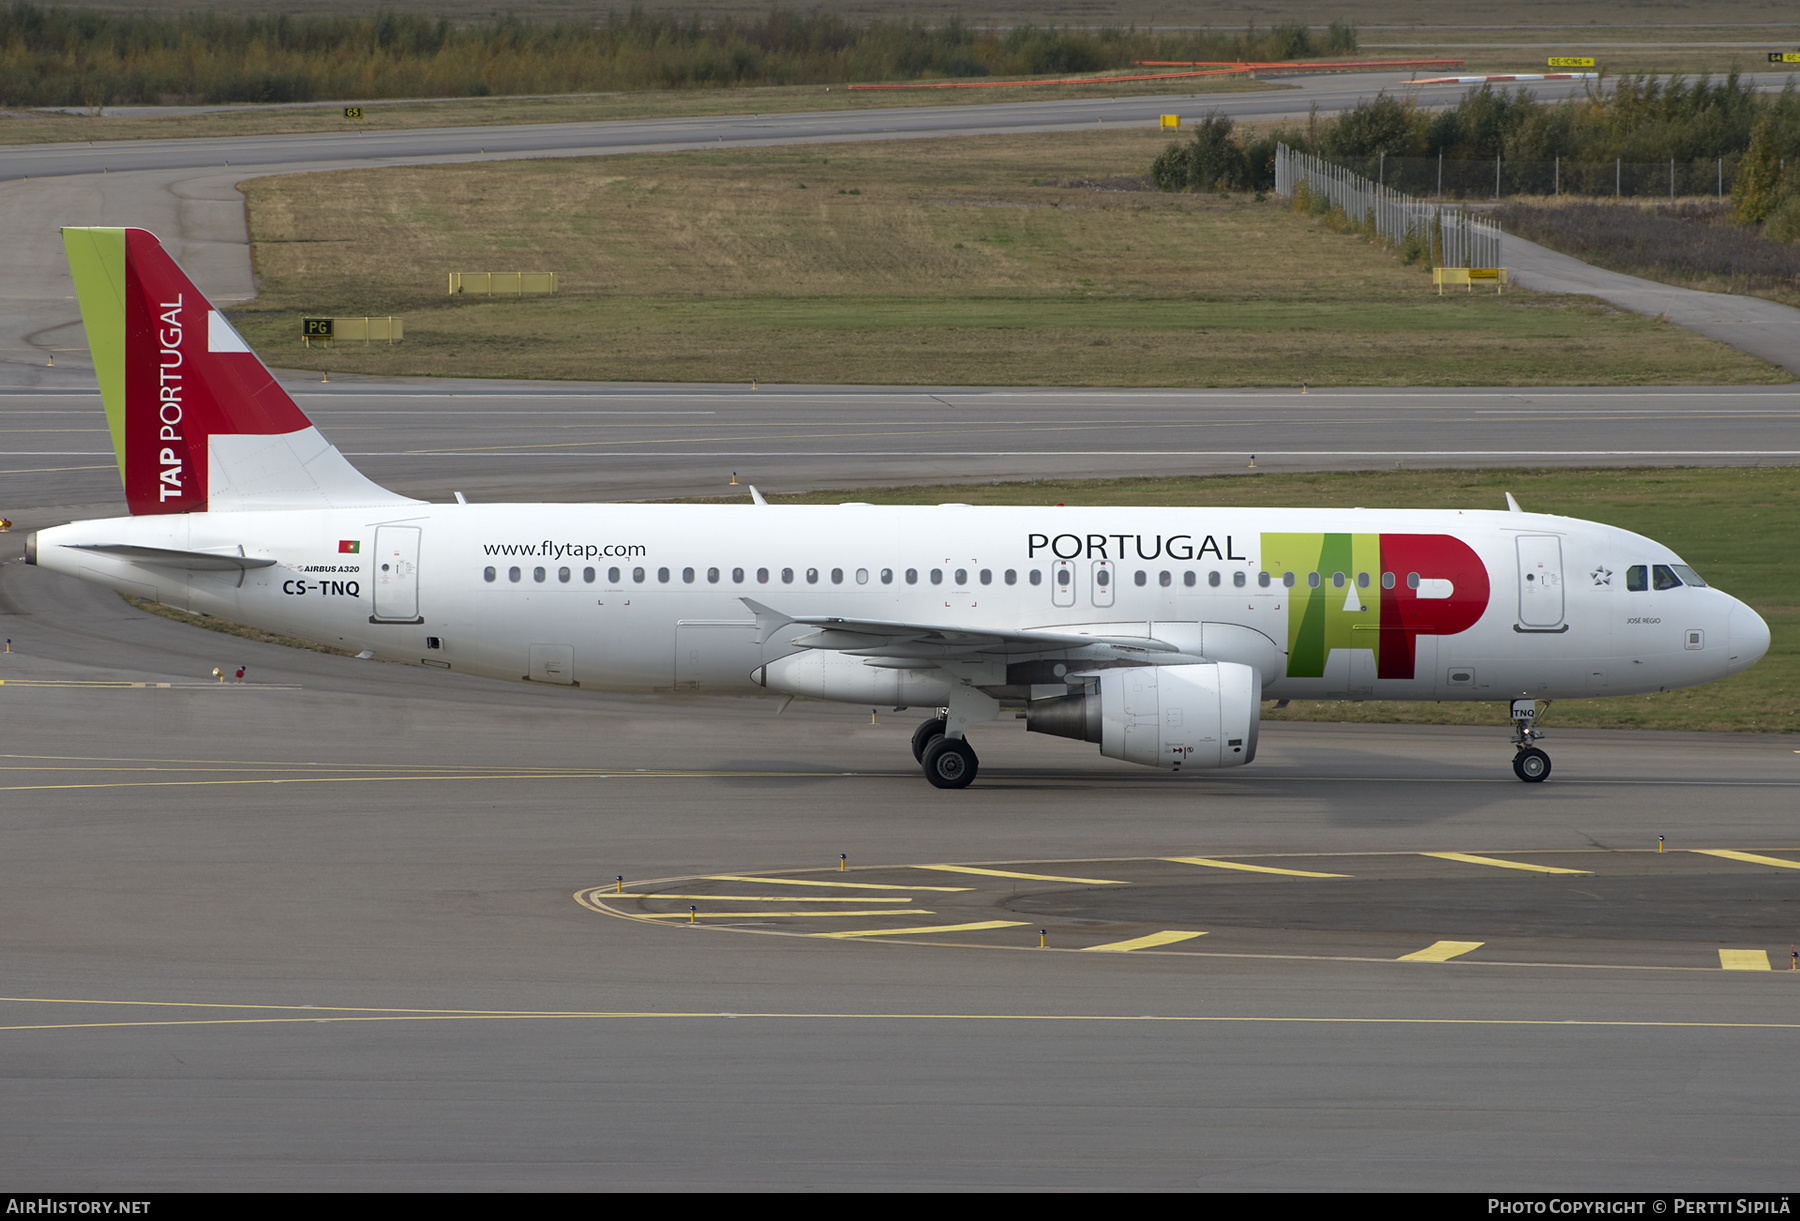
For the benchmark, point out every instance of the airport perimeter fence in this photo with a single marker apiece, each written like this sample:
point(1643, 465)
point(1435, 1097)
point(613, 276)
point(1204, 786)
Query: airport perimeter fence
point(1441, 178)
point(1447, 236)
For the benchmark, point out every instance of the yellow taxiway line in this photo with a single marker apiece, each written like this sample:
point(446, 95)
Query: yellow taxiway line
point(1210, 863)
point(1748, 857)
point(1497, 863)
point(908, 932)
point(1441, 951)
point(1029, 877)
point(1166, 937)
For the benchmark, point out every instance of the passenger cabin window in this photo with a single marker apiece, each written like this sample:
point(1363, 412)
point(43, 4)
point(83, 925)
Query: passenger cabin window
point(1387, 580)
point(1262, 580)
point(662, 574)
point(537, 574)
point(612, 576)
point(1142, 577)
point(862, 576)
point(737, 576)
point(687, 575)
point(812, 576)
point(1637, 577)
point(987, 576)
point(887, 576)
point(712, 576)
point(762, 576)
point(837, 576)
point(1012, 576)
point(787, 576)
point(1412, 580)
point(488, 574)
point(912, 576)
point(587, 574)
point(563, 575)
point(1037, 578)
point(937, 576)
point(637, 574)
point(512, 574)
point(962, 578)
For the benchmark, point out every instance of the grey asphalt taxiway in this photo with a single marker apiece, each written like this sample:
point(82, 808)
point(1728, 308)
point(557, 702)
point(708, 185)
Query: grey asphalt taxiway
point(346, 925)
point(356, 925)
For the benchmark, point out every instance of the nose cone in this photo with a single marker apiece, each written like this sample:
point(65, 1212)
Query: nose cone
point(1747, 638)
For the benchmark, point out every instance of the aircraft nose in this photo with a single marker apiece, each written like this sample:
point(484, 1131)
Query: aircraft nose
point(1747, 636)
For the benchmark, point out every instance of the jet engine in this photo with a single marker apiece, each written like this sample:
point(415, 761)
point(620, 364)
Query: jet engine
point(1174, 717)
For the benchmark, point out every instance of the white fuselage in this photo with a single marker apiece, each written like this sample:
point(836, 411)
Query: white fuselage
point(644, 598)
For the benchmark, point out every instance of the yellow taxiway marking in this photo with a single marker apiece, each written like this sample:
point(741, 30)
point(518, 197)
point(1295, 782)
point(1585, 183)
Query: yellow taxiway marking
point(1210, 863)
point(1029, 877)
point(1750, 857)
point(732, 877)
point(908, 932)
point(1497, 863)
point(1166, 937)
point(901, 911)
point(295, 1014)
point(632, 894)
point(1441, 951)
point(1743, 960)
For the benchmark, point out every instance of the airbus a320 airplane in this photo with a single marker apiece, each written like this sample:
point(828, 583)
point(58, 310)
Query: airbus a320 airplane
point(1156, 633)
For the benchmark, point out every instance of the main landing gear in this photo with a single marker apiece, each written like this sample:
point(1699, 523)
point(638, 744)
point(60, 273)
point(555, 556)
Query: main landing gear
point(1529, 763)
point(949, 763)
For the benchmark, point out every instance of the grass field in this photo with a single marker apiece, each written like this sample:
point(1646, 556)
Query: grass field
point(968, 261)
point(1735, 526)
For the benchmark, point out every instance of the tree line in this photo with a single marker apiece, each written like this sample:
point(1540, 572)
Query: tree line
point(1639, 119)
point(55, 56)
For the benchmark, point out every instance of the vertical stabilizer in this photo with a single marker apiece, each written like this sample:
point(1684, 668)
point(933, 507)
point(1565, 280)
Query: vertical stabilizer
point(197, 421)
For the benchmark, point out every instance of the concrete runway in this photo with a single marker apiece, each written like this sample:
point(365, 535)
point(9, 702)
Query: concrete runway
point(344, 926)
point(322, 931)
point(536, 441)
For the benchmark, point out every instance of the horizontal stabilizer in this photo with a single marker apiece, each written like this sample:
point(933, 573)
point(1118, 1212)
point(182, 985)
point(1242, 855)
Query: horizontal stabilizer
point(168, 557)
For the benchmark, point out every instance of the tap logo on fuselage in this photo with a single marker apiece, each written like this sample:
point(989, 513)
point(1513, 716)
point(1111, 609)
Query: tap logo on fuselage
point(1373, 591)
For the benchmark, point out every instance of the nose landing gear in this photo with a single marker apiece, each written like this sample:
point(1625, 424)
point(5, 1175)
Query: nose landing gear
point(1529, 763)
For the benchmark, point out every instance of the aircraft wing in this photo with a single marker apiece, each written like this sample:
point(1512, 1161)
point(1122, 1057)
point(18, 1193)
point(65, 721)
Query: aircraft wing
point(881, 640)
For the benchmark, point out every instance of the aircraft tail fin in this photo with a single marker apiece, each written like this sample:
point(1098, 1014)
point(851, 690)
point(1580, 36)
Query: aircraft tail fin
point(197, 420)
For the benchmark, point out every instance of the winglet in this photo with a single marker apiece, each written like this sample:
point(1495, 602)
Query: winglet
point(756, 497)
point(768, 620)
point(1512, 505)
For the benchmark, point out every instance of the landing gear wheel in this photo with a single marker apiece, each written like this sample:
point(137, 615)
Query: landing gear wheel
point(950, 763)
point(924, 736)
point(1531, 765)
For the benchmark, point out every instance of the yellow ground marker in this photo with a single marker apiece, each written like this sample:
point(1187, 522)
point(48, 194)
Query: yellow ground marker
point(908, 932)
point(904, 911)
point(1750, 857)
point(1166, 937)
point(1029, 877)
point(1467, 859)
point(1210, 863)
point(632, 894)
point(1441, 951)
point(1743, 960)
point(733, 877)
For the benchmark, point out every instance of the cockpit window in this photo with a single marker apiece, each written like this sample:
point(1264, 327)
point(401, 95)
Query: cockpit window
point(1666, 578)
point(1637, 577)
point(1688, 576)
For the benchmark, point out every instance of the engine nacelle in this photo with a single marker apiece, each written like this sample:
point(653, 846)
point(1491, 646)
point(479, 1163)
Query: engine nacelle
point(1193, 716)
point(828, 675)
